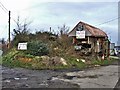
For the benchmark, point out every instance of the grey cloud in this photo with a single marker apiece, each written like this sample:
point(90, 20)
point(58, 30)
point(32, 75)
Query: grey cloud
point(58, 13)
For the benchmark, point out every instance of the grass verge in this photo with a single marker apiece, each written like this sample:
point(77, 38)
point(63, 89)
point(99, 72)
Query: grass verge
point(11, 60)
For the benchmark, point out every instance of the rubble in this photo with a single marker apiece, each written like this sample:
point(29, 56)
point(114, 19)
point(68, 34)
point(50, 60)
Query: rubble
point(62, 60)
point(97, 65)
point(77, 60)
point(83, 60)
point(53, 60)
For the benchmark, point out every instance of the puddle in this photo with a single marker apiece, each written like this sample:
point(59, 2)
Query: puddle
point(44, 83)
point(17, 78)
point(8, 81)
point(86, 76)
point(24, 78)
point(68, 77)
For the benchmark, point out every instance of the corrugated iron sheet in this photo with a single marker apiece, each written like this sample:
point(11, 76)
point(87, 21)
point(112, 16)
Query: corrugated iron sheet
point(93, 30)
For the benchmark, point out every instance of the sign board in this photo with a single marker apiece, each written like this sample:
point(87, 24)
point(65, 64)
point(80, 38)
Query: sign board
point(80, 34)
point(22, 46)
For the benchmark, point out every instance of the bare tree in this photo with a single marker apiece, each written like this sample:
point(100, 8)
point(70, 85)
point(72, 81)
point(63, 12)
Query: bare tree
point(2, 40)
point(63, 30)
point(21, 32)
point(21, 27)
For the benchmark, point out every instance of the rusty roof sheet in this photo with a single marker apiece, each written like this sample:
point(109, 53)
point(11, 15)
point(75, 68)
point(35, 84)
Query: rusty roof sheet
point(93, 30)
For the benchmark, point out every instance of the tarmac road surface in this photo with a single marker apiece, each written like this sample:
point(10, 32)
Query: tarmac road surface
point(98, 77)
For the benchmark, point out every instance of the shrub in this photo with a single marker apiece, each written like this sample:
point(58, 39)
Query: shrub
point(37, 48)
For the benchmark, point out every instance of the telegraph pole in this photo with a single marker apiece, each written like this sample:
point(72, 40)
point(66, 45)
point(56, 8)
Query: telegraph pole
point(9, 30)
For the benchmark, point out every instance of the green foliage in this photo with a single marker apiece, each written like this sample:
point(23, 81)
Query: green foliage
point(103, 62)
point(10, 61)
point(74, 63)
point(19, 39)
point(0, 59)
point(37, 48)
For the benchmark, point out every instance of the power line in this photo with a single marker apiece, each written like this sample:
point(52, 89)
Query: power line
point(96, 25)
point(6, 10)
point(13, 19)
point(38, 5)
point(9, 13)
point(3, 8)
point(108, 21)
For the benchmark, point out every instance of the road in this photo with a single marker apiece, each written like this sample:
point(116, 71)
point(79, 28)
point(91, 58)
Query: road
point(98, 77)
point(101, 77)
point(24, 78)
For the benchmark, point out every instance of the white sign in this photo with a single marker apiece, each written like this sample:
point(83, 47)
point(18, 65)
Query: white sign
point(22, 46)
point(80, 34)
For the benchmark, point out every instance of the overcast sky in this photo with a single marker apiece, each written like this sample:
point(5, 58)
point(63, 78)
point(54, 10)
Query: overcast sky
point(53, 14)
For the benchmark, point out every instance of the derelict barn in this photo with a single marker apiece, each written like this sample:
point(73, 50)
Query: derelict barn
point(90, 40)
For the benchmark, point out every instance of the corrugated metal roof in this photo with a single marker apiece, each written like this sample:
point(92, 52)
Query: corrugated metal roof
point(93, 30)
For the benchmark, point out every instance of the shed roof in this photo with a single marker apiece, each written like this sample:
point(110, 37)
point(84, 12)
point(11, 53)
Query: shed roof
point(93, 30)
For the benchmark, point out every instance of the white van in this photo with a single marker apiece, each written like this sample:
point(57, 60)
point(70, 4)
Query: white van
point(117, 50)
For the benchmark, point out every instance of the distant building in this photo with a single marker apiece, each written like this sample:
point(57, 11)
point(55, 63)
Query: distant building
point(90, 39)
point(3, 47)
point(117, 50)
point(112, 48)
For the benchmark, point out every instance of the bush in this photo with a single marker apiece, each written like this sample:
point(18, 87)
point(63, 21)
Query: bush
point(37, 48)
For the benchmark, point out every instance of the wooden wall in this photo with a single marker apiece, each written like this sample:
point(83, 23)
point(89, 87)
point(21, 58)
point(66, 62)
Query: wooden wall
point(98, 44)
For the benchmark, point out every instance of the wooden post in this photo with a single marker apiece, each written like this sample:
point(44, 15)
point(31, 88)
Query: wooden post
point(103, 49)
point(88, 40)
point(9, 31)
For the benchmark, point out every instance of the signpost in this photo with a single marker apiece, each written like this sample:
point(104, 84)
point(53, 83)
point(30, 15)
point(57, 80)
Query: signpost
point(22, 46)
point(80, 34)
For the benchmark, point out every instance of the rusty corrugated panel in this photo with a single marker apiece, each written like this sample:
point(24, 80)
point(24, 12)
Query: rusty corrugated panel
point(96, 32)
point(93, 30)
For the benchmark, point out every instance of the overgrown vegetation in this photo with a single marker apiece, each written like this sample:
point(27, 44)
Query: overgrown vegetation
point(46, 50)
point(37, 48)
point(15, 58)
point(103, 62)
point(8, 59)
